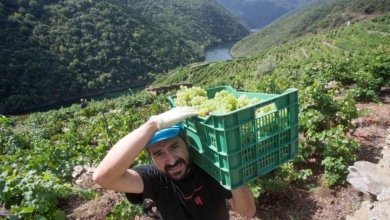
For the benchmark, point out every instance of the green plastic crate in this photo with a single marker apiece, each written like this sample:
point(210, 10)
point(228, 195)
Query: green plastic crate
point(238, 147)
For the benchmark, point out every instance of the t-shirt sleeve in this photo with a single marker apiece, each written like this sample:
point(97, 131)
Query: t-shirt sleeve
point(135, 198)
point(147, 173)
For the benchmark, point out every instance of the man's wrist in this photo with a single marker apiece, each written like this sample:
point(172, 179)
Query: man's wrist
point(157, 120)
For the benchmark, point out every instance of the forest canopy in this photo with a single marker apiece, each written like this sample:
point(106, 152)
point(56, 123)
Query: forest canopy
point(57, 50)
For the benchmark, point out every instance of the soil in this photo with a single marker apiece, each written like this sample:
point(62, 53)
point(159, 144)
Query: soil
point(309, 200)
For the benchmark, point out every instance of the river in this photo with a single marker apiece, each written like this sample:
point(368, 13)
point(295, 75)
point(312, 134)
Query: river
point(219, 53)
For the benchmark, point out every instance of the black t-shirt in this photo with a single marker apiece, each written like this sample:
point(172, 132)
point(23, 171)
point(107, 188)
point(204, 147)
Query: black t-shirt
point(199, 196)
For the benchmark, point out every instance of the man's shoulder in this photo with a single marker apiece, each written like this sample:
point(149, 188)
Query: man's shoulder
point(144, 167)
point(147, 170)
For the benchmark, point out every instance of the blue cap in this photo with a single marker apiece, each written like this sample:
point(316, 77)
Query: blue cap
point(164, 134)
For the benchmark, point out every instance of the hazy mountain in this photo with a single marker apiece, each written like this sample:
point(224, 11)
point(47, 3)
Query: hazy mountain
point(312, 18)
point(259, 13)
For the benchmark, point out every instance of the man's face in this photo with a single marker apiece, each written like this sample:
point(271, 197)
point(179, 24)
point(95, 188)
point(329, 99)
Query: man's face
point(171, 157)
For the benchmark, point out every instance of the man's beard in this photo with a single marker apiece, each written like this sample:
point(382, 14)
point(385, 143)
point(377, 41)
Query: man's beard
point(178, 162)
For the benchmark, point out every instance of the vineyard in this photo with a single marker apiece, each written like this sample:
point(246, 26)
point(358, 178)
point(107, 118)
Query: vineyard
point(332, 72)
point(343, 54)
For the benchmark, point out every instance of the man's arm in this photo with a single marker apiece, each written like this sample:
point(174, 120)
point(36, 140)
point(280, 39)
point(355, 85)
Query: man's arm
point(243, 202)
point(113, 173)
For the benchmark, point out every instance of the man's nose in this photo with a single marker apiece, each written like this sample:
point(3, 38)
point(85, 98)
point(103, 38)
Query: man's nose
point(171, 159)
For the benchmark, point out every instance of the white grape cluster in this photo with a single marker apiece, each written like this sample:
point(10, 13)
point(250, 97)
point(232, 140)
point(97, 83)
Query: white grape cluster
point(192, 96)
point(264, 110)
point(222, 103)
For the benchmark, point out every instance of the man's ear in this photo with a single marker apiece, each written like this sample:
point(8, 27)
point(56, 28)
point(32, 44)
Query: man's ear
point(150, 157)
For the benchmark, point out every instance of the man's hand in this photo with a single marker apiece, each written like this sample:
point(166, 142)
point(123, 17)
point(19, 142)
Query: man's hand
point(174, 116)
point(243, 202)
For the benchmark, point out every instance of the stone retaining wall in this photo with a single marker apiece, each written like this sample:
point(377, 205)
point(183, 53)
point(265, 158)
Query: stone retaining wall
point(375, 180)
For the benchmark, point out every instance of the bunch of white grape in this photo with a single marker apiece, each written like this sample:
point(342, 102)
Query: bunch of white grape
point(190, 96)
point(222, 103)
point(264, 110)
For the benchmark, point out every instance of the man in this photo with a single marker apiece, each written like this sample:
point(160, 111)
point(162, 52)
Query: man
point(83, 103)
point(180, 189)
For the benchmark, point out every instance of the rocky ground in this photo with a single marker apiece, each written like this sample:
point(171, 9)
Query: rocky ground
point(295, 202)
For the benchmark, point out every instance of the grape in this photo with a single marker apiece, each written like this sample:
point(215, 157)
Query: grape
point(185, 95)
point(264, 110)
point(222, 103)
point(197, 100)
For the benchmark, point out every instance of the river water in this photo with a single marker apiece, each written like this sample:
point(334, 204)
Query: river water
point(219, 53)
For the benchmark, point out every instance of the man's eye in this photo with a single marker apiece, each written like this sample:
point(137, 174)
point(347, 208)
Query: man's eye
point(174, 147)
point(157, 155)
